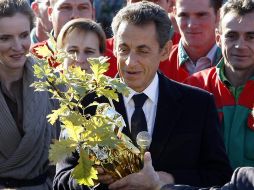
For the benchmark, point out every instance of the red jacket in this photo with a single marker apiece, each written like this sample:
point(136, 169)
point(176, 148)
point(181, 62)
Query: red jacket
point(235, 114)
point(175, 38)
point(112, 71)
point(171, 67)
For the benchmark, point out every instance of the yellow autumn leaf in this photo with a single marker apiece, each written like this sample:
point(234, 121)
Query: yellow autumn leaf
point(60, 149)
point(43, 51)
point(84, 172)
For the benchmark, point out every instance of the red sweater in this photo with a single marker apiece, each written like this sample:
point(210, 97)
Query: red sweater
point(171, 67)
point(112, 71)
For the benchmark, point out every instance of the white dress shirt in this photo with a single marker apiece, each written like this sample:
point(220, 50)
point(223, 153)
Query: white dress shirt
point(149, 107)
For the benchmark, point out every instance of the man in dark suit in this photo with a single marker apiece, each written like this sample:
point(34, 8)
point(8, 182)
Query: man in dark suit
point(182, 120)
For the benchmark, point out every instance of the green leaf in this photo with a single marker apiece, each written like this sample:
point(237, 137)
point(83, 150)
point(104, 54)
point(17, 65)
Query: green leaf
point(40, 86)
point(52, 42)
point(69, 87)
point(38, 71)
point(100, 131)
point(72, 130)
point(84, 172)
point(43, 51)
point(119, 86)
point(60, 149)
point(108, 93)
point(99, 66)
point(56, 113)
point(43, 70)
point(81, 90)
point(129, 144)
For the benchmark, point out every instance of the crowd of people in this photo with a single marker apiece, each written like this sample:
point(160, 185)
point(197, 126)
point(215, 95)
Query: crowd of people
point(190, 61)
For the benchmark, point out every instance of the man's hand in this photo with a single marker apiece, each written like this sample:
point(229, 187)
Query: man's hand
point(103, 177)
point(165, 177)
point(146, 179)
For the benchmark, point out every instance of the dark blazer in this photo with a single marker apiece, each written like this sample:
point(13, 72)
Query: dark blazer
point(242, 179)
point(185, 142)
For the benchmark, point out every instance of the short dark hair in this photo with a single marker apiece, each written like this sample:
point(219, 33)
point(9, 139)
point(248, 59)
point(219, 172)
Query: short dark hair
point(85, 25)
point(216, 4)
point(9, 8)
point(142, 13)
point(240, 7)
point(53, 2)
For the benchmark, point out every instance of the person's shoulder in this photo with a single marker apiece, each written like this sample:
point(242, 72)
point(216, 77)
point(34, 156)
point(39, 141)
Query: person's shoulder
point(202, 78)
point(204, 74)
point(174, 49)
point(110, 42)
point(173, 55)
point(184, 88)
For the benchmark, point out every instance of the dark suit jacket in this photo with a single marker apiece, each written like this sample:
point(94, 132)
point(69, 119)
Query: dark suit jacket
point(185, 142)
point(242, 179)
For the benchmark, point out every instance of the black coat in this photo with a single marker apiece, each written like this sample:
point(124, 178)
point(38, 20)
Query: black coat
point(185, 142)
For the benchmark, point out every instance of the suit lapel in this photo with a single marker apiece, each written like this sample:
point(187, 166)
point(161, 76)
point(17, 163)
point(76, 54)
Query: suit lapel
point(167, 114)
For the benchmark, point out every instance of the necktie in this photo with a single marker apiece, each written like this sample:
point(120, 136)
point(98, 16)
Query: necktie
point(138, 119)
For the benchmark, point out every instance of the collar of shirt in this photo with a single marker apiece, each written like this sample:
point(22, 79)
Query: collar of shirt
point(150, 106)
point(49, 41)
point(149, 91)
point(184, 57)
point(33, 37)
point(236, 91)
point(212, 53)
point(171, 32)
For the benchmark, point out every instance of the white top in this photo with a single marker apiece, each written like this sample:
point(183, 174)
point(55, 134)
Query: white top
point(150, 105)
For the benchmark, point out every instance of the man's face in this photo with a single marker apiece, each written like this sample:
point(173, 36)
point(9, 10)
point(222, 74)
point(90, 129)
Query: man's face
point(66, 10)
point(196, 20)
point(40, 8)
point(165, 4)
point(139, 55)
point(236, 40)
